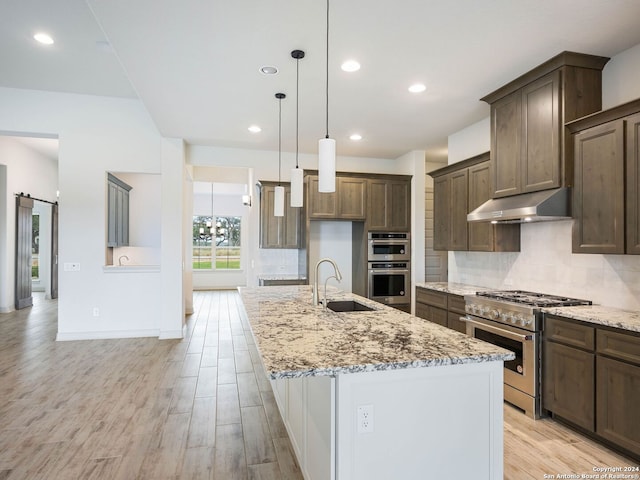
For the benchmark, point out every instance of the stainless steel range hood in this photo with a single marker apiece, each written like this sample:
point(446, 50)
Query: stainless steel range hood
point(527, 207)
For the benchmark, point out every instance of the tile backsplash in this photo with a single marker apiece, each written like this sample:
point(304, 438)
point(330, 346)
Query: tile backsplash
point(545, 264)
point(277, 261)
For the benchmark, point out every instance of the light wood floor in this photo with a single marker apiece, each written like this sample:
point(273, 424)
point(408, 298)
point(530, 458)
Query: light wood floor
point(197, 408)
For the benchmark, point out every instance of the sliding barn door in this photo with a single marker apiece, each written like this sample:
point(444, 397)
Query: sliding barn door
point(54, 250)
point(24, 220)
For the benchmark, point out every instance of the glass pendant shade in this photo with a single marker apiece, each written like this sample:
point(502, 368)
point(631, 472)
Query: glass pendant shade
point(297, 182)
point(278, 203)
point(327, 165)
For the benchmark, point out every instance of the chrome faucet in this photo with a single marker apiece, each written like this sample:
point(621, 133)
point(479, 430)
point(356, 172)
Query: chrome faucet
point(120, 259)
point(338, 275)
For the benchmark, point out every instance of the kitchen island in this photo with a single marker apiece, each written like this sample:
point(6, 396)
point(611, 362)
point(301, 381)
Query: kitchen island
point(378, 394)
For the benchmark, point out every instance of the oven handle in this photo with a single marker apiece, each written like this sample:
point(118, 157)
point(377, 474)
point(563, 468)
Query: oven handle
point(389, 270)
point(498, 331)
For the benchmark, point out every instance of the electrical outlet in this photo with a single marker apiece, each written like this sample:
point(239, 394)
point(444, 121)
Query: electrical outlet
point(365, 419)
point(96, 312)
point(71, 267)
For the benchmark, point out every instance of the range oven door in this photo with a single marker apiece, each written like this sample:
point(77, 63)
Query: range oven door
point(521, 373)
point(389, 246)
point(390, 283)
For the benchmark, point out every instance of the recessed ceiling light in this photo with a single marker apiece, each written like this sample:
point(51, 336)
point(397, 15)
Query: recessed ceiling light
point(268, 70)
point(254, 129)
point(356, 136)
point(350, 66)
point(43, 38)
point(417, 88)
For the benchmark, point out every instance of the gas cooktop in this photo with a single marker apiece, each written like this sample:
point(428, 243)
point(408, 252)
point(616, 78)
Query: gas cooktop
point(532, 299)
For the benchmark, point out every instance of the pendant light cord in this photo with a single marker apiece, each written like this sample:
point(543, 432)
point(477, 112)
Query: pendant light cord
point(327, 85)
point(297, 97)
point(279, 139)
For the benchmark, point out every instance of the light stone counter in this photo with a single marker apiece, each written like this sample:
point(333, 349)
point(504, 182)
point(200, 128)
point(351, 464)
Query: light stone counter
point(296, 339)
point(453, 288)
point(600, 315)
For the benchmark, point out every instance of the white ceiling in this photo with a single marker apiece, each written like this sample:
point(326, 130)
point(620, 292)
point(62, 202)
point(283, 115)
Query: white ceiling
point(194, 63)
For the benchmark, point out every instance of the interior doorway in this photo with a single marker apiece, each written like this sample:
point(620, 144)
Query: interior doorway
point(28, 170)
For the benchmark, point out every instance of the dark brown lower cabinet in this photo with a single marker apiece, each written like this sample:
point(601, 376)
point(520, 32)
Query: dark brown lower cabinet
point(433, 314)
point(591, 379)
point(569, 384)
point(618, 403)
point(440, 307)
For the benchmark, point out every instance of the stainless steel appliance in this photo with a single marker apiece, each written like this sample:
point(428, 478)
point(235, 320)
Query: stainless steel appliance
point(390, 282)
point(394, 246)
point(512, 319)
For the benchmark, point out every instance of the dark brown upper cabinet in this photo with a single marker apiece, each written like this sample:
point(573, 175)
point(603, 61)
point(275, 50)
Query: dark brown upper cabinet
point(279, 232)
point(458, 189)
point(528, 148)
point(348, 202)
point(389, 204)
point(606, 203)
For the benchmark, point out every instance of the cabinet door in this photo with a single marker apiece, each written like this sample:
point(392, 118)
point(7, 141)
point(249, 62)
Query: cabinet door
point(278, 232)
point(352, 198)
point(123, 221)
point(459, 191)
point(540, 143)
point(633, 184)
point(291, 222)
point(441, 217)
point(454, 323)
point(112, 214)
point(321, 205)
point(506, 132)
point(378, 203)
point(480, 233)
point(618, 397)
point(568, 384)
point(269, 224)
point(399, 214)
point(598, 194)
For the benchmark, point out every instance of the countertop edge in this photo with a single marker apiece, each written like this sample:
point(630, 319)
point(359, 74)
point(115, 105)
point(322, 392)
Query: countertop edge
point(391, 366)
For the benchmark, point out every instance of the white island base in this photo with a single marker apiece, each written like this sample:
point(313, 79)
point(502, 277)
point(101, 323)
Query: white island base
point(428, 423)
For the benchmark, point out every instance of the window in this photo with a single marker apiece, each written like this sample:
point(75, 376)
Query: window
point(219, 240)
point(35, 246)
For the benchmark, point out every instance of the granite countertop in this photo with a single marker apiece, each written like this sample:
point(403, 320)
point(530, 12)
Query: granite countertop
point(296, 339)
point(454, 288)
point(600, 315)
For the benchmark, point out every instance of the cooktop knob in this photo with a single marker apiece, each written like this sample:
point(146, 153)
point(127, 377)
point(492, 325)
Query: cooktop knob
point(519, 318)
point(493, 314)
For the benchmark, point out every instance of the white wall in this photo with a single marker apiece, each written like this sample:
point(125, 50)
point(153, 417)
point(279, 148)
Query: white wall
point(545, 262)
point(28, 171)
point(97, 135)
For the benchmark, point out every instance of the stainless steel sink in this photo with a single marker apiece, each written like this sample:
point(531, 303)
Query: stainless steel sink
point(348, 306)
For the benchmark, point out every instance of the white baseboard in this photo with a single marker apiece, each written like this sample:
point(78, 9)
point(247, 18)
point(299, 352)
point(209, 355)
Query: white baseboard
point(106, 335)
point(8, 309)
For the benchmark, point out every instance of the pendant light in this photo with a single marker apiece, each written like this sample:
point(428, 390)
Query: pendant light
point(327, 146)
point(297, 174)
point(278, 204)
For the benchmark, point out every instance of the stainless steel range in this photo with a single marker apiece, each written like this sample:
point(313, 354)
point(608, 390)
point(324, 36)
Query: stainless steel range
point(512, 319)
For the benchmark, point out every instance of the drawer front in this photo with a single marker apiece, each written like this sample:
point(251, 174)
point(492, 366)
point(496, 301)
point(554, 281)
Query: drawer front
point(456, 303)
point(431, 297)
point(569, 333)
point(619, 345)
point(453, 322)
point(433, 314)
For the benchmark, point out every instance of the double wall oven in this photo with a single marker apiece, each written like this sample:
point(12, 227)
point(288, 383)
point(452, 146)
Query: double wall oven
point(512, 319)
point(389, 268)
